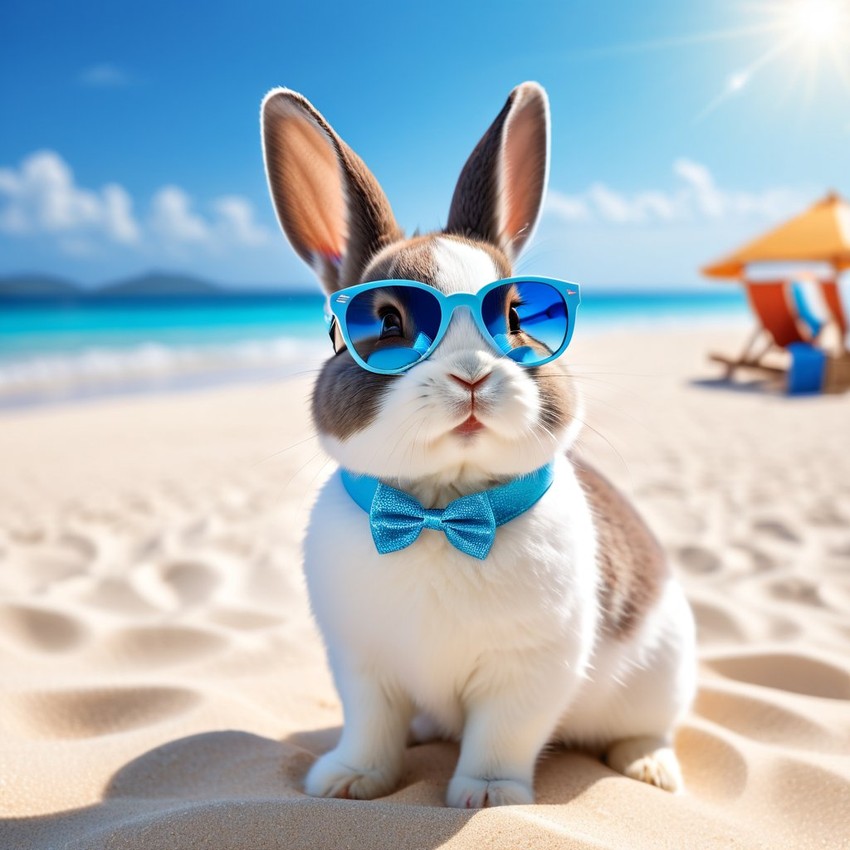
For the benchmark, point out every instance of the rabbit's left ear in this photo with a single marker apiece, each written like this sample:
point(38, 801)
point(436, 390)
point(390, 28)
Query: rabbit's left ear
point(500, 191)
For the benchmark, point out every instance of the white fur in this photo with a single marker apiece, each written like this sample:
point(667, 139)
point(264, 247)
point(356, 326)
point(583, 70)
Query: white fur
point(506, 653)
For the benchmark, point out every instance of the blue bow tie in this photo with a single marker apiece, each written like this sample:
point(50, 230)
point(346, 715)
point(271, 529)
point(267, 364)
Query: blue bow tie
point(469, 523)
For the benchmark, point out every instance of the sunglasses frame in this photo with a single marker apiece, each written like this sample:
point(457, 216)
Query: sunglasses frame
point(339, 302)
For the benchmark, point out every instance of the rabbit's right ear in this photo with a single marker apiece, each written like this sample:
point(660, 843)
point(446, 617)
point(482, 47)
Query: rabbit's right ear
point(499, 193)
point(329, 204)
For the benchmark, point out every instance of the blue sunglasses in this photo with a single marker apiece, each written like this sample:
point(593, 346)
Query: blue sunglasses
point(389, 326)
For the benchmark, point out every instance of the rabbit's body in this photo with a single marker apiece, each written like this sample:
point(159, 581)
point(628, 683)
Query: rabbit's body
point(460, 629)
point(443, 633)
point(572, 628)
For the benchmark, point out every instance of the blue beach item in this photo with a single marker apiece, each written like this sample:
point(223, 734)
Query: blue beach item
point(805, 310)
point(469, 523)
point(389, 326)
point(808, 369)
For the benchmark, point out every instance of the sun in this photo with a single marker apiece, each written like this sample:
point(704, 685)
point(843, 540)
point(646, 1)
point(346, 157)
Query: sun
point(819, 23)
point(810, 37)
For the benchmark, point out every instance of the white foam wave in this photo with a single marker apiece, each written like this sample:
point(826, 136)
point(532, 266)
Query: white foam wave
point(148, 367)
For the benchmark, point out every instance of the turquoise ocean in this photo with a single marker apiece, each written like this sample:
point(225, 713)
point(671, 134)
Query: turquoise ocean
point(53, 351)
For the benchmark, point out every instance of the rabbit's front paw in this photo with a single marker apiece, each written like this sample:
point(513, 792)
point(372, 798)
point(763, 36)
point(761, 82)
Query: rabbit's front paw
point(330, 777)
point(470, 792)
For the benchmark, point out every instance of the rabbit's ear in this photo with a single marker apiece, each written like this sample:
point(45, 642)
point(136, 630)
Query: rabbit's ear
point(329, 204)
point(500, 190)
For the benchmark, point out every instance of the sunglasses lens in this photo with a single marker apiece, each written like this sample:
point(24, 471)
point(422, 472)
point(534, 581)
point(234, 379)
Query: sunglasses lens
point(392, 327)
point(527, 319)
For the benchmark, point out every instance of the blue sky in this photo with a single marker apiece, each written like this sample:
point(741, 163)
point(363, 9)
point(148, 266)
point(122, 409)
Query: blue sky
point(130, 133)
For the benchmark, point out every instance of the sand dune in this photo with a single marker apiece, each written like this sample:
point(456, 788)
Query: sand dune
point(164, 687)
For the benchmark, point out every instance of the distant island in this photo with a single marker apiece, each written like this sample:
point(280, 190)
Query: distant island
point(155, 284)
point(37, 286)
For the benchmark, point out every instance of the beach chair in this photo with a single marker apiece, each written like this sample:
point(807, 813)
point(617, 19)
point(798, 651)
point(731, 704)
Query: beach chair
point(832, 299)
point(786, 322)
point(837, 377)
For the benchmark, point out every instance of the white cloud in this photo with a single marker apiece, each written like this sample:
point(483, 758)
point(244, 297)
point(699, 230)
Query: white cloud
point(236, 221)
point(120, 223)
point(611, 205)
point(567, 207)
point(172, 217)
point(695, 197)
point(41, 197)
point(704, 192)
point(104, 76)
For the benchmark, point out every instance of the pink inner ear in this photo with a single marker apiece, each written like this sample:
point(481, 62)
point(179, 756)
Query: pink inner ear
point(524, 171)
point(310, 194)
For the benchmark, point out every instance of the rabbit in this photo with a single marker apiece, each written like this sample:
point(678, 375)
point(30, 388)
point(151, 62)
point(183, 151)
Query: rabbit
point(573, 630)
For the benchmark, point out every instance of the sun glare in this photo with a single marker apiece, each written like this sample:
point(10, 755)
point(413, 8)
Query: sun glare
point(810, 37)
point(819, 22)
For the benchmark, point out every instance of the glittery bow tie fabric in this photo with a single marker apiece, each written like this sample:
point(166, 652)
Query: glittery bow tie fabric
point(469, 523)
point(397, 519)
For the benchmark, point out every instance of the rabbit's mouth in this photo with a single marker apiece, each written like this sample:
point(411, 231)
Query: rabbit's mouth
point(471, 425)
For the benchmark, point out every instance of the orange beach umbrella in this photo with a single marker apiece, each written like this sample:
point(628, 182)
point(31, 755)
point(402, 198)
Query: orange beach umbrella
point(820, 234)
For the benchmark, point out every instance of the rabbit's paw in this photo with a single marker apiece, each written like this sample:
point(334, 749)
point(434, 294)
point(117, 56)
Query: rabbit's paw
point(647, 760)
point(470, 792)
point(330, 777)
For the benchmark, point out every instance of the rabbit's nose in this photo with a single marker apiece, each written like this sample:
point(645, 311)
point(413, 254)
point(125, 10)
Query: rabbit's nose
point(470, 385)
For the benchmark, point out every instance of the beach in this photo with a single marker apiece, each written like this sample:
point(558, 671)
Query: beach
point(163, 686)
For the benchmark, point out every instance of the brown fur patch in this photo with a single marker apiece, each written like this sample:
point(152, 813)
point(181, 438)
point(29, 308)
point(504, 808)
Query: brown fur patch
point(558, 396)
point(631, 560)
point(411, 259)
point(346, 397)
point(497, 255)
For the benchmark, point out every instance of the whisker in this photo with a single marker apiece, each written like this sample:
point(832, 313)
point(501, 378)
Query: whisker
point(602, 437)
point(298, 471)
point(314, 436)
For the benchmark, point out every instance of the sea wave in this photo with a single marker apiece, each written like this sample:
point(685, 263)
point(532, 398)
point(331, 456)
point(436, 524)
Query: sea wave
point(149, 367)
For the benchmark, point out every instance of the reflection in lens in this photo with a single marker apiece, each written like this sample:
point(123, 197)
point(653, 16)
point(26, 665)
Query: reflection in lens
point(419, 312)
point(541, 313)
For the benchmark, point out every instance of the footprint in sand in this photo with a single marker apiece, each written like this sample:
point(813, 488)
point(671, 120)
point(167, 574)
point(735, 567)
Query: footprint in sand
point(116, 596)
point(84, 547)
point(192, 582)
point(39, 629)
point(157, 646)
point(828, 515)
point(765, 720)
point(776, 529)
point(713, 767)
point(176, 585)
point(797, 673)
point(50, 561)
point(237, 618)
point(696, 559)
point(92, 712)
point(715, 624)
point(795, 589)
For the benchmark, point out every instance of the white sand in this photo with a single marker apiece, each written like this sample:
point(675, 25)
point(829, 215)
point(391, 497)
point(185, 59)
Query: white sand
point(163, 686)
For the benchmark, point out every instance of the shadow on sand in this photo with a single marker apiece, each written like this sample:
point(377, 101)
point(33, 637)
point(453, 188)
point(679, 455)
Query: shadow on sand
point(237, 790)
